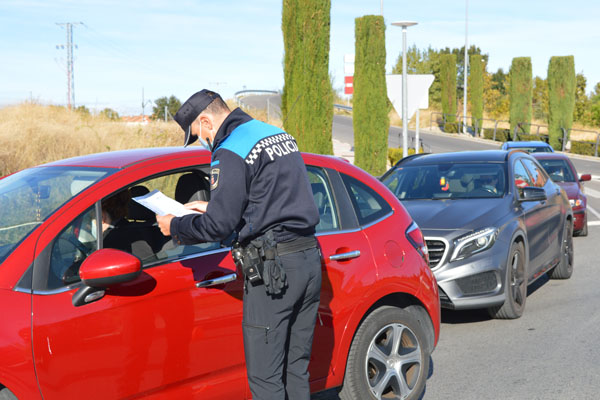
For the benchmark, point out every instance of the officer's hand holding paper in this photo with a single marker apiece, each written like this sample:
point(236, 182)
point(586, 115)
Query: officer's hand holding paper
point(163, 205)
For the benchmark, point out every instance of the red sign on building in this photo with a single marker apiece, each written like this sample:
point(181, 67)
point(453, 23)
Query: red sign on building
point(348, 84)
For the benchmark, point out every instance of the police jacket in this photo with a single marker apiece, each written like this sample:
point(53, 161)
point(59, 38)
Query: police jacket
point(258, 182)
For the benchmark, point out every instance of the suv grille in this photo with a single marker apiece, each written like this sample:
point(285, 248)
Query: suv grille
point(436, 250)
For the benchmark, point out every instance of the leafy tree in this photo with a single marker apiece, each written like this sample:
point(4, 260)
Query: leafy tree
point(460, 63)
point(109, 113)
point(158, 110)
point(540, 98)
point(499, 79)
point(582, 102)
point(428, 62)
point(83, 110)
point(495, 101)
point(307, 98)
point(370, 105)
point(561, 91)
point(520, 94)
point(423, 62)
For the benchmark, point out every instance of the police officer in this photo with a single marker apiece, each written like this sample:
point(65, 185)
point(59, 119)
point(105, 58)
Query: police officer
point(259, 189)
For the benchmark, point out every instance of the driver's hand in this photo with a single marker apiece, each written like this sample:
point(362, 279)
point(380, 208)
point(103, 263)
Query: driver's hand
point(164, 223)
point(198, 205)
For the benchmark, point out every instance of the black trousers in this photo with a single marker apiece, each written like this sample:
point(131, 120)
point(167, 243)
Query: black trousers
point(278, 330)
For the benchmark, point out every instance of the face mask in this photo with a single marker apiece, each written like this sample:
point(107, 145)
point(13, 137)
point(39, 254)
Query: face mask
point(206, 145)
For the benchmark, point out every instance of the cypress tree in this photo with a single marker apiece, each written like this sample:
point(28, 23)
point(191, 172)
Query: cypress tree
point(561, 98)
point(448, 81)
point(476, 86)
point(520, 94)
point(307, 98)
point(370, 103)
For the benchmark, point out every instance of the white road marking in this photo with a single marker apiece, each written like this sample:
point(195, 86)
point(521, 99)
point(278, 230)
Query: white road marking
point(592, 192)
point(596, 213)
point(594, 223)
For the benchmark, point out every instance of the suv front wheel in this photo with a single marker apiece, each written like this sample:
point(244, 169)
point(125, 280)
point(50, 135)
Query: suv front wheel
point(388, 357)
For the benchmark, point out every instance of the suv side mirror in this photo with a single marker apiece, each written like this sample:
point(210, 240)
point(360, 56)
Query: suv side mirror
point(585, 178)
point(104, 268)
point(531, 193)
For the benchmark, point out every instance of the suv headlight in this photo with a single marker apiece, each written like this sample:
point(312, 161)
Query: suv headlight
point(473, 243)
point(576, 203)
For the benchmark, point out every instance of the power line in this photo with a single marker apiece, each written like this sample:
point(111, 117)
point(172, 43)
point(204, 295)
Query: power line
point(70, 69)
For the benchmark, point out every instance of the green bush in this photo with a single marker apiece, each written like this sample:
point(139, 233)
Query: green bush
point(561, 97)
point(585, 148)
point(520, 94)
point(451, 127)
point(396, 154)
point(502, 135)
point(370, 103)
point(526, 137)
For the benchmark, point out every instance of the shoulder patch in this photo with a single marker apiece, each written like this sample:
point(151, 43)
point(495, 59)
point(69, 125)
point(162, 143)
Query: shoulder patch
point(214, 178)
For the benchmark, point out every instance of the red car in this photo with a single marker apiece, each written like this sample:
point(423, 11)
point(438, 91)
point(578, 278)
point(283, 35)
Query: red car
point(81, 320)
point(563, 172)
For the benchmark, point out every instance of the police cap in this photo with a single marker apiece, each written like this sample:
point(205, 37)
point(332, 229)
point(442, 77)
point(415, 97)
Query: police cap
point(190, 110)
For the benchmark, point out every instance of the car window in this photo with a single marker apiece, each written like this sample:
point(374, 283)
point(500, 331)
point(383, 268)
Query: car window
point(522, 178)
point(322, 195)
point(558, 170)
point(29, 197)
point(447, 181)
point(131, 227)
point(537, 173)
point(77, 241)
point(369, 205)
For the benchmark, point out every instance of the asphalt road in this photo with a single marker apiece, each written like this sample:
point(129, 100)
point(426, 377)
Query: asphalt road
point(551, 352)
point(434, 142)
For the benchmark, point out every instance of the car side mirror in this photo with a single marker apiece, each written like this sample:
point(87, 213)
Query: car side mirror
point(102, 269)
point(530, 193)
point(585, 178)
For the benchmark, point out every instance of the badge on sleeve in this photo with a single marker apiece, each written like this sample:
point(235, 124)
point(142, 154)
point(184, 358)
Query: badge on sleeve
point(214, 178)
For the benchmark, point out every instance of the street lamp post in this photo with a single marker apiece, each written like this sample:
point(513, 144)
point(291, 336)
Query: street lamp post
point(466, 66)
point(404, 25)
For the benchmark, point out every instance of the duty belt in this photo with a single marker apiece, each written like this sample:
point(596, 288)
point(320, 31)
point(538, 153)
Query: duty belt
point(299, 244)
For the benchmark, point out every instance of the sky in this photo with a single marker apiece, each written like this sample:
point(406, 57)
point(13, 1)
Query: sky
point(129, 48)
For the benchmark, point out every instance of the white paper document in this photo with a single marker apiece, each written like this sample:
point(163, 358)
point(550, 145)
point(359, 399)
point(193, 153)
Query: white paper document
point(161, 204)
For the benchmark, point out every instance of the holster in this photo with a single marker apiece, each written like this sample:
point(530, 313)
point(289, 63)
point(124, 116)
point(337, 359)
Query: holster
point(259, 261)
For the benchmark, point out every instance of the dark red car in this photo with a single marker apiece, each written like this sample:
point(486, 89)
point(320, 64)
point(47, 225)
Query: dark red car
point(563, 172)
point(81, 320)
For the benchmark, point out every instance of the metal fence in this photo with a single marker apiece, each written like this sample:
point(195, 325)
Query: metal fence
point(518, 131)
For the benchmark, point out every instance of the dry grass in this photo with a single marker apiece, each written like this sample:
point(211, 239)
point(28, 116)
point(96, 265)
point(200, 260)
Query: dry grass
point(33, 134)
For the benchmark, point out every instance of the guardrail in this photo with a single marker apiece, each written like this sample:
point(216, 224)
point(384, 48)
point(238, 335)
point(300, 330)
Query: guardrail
point(519, 130)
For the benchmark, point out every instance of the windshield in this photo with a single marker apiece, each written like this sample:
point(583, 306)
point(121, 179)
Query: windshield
point(558, 170)
point(448, 181)
point(535, 149)
point(29, 197)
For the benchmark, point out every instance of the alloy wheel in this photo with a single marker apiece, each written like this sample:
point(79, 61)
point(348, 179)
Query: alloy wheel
point(393, 362)
point(517, 279)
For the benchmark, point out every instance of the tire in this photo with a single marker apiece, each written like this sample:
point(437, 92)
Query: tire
point(564, 269)
point(376, 369)
point(515, 287)
point(584, 230)
point(6, 394)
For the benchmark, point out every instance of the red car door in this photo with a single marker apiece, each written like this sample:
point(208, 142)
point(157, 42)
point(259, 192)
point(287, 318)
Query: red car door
point(159, 336)
point(345, 253)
